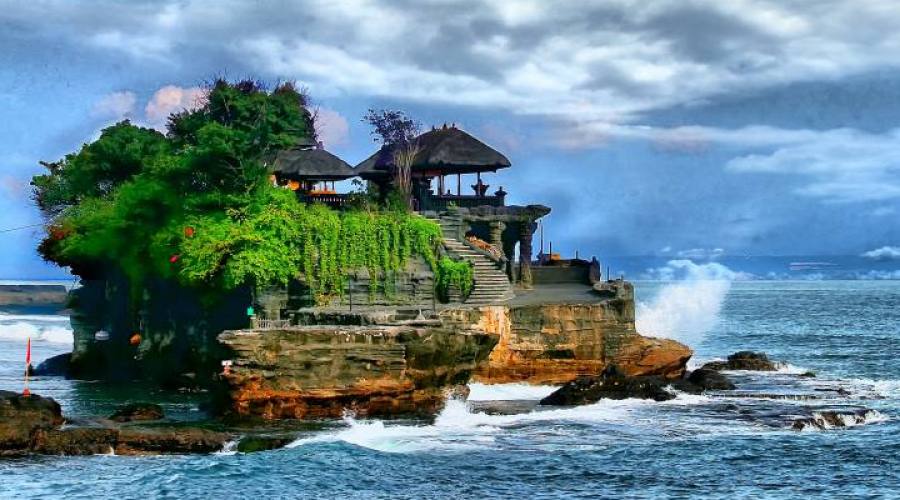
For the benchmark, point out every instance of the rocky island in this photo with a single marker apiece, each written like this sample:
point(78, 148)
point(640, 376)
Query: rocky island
point(220, 256)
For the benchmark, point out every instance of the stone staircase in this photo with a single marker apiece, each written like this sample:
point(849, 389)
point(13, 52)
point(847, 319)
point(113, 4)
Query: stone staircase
point(491, 284)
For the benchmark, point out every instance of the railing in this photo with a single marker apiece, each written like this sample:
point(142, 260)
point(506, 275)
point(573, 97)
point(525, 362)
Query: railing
point(333, 200)
point(490, 250)
point(269, 324)
point(442, 202)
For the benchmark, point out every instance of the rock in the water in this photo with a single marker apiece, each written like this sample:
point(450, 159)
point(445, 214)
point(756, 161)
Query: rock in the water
point(832, 419)
point(57, 366)
point(744, 360)
point(75, 441)
point(612, 384)
point(169, 440)
point(710, 380)
point(21, 417)
point(137, 412)
point(251, 444)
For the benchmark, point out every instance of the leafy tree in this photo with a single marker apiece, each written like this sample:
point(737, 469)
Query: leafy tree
point(397, 132)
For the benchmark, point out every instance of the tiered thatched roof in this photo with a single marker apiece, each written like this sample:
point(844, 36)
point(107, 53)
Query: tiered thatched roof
point(442, 151)
point(311, 164)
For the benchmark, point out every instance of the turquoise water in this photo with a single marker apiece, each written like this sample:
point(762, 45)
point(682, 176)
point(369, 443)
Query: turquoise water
point(714, 445)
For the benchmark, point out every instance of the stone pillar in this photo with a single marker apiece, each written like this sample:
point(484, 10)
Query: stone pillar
point(525, 235)
point(497, 228)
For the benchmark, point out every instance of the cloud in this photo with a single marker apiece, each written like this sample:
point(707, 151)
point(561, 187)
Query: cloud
point(171, 99)
point(844, 165)
point(332, 128)
point(116, 106)
point(883, 253)
point(600, 63)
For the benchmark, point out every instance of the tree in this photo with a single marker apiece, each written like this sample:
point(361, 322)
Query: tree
point(398, 132)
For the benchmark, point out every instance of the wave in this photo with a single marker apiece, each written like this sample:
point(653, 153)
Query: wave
point(687, 309)
point(48, 318)
point(509, 392)
point(459, 428)
point(826, 420)
point(21, 330)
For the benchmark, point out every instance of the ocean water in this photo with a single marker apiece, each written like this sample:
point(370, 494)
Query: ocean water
point(715, 445)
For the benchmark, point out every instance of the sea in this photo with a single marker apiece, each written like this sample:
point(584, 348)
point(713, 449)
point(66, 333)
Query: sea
point(501, 444)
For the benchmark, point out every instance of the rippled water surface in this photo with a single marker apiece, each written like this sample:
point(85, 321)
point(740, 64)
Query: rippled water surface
point(719, 445)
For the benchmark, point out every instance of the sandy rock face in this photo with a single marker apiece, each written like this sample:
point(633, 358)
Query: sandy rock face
point(556, 343)
point(321, 371)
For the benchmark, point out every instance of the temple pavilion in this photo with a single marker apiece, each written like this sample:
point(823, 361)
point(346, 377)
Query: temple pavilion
point(447, 186)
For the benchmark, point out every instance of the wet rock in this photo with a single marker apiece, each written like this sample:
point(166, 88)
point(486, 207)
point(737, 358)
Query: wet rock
point(808, 374)
point(834, 419)
point(612, 384)
point(251, 444)
point(744, 360)
point(57, 366)
point(75, 441)
point(135, 412)
point(704, 379)
point(169, 440)
point(21, 417)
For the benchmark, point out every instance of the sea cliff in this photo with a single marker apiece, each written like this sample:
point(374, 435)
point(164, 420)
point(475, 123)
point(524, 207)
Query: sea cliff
point(378, 364)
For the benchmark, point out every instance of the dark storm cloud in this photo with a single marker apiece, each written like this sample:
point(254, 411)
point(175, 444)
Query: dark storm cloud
point(756, 126)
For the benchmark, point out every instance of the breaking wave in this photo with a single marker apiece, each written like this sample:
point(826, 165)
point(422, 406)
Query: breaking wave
point(509, 392)
point(688, 308)
point(22, 330)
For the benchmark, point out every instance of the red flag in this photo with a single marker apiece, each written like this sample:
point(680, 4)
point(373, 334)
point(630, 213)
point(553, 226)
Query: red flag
point(28, 353)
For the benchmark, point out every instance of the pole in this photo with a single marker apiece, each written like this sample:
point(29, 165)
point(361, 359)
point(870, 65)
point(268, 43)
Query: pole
point(26, 392)
point(458, 184)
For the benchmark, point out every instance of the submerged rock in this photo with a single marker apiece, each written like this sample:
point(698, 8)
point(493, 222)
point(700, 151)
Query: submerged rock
point(707, 379)
point(56, 366)
point(75, 441)
point(744, 360)
point(34, 425)
point(835, 419)
point(612, 384)
point(22, 416)
point(169, 440)
point(137, 412)
point(251, 444)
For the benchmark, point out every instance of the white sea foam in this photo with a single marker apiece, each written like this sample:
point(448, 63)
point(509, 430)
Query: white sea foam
point(458, 428)
point(22, 330)
point(509, 392)
point(851, 419)
point(48, 318)
point(688, 308)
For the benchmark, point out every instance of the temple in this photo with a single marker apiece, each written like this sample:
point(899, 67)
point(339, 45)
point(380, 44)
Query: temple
point(450, 186)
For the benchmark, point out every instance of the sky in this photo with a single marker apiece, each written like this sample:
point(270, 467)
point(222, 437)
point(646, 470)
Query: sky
point(684, 128)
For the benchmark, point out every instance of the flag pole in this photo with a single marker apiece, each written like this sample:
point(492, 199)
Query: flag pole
point(26, 392)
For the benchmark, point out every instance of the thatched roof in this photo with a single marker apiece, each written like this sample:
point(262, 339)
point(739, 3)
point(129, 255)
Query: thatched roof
point(311, 165)
point(444, 150)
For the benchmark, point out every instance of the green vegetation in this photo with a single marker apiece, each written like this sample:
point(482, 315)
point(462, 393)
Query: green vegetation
point(196, 205)
point(452, 273)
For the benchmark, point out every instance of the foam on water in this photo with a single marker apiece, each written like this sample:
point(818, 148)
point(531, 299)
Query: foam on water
point(509, 392)
point(37, 331)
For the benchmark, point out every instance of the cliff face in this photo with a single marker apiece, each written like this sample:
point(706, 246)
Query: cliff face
point(555, 343)
point(319, 371)
point(375, 364)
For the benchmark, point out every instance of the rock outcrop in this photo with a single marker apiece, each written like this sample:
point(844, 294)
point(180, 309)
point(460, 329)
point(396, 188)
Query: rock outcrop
point(744, 360)
point(702, 380)
point(21, 417)
point(135, 412)
point(611, 384)
point(34, 425)
point(54, 366)
point(556, 343)
point(323, 371)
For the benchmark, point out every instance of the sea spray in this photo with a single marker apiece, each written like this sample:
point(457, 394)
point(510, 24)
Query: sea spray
point(50, 332)
point(688, 308)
